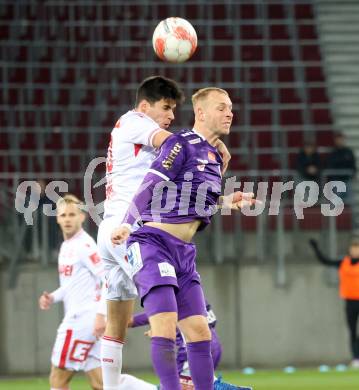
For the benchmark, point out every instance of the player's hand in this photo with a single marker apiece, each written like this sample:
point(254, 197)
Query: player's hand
point(45, 301)
point(120, 235)
point(313, 243)
point(239, 199)
point(99, 325)
point(148, 333)
point(226, 156)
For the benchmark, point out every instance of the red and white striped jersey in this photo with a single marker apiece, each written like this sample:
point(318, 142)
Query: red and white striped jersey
point(129, 157)
point(80, 272)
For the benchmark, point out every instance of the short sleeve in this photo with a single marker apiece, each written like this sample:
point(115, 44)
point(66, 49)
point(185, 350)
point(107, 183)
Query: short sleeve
point(137, 128)
point(92, 260)
point(171, 158)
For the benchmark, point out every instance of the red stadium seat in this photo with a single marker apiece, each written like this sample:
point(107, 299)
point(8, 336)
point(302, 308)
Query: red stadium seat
point(313, 219)
point(224, 52)
point(247, 11)
point(278, 31)
point(256, 74)
point(344, 221)
point(291, 117)
point(218, 11)
point(249, 32)
point(260, 95)
point(221, 32)
point(276, 11)
point(80, 141)
point(322, 116)
point(303, 11)
point(307, 31)
point(29, 141)
point(4, 141)
point(264, 139)
point(324, 138)
point(314, 73)
point(288, 95)
point(317, 95)
point(55, 141)
point(311, 53)
point(281, 53)
point(38, 97)
point(13, 96)
point(260, 117)
point(252, 53)
point(295, 138)
point(4, 33)
point(285, 74)
point(63, 97)
point(267, 163)
point(18, 75)
point(69, 76)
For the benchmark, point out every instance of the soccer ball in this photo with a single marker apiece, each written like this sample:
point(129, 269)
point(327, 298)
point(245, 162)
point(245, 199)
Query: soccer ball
point(174, 40)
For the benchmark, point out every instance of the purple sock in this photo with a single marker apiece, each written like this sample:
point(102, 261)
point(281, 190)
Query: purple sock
point(164, 362)
point(201, 364)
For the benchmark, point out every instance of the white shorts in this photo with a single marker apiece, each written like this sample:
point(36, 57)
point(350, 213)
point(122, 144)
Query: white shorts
point(118, 272)
point(75, 348)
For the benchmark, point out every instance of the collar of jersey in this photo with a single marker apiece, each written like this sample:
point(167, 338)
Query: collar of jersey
point(199, 135)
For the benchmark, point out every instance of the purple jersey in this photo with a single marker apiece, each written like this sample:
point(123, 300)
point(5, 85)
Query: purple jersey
point(183, 183)
point(193, 167)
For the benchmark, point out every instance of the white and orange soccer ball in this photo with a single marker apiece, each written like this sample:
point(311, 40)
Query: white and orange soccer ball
point(174, 40)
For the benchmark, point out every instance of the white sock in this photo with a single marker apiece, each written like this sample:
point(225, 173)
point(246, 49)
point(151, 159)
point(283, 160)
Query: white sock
point(62, 388)
point(111, 362)
point(129, 382)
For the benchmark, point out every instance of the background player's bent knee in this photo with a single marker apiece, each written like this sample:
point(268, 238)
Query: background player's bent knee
point(60, 378)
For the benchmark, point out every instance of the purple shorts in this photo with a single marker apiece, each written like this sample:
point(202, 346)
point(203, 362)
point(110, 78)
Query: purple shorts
point(160, 259)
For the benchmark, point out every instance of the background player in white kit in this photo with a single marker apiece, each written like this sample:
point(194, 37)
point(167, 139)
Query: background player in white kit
point(134, 140)
point(80, 270)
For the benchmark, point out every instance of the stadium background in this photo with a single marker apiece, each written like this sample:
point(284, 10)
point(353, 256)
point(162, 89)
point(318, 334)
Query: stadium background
point(70, 68)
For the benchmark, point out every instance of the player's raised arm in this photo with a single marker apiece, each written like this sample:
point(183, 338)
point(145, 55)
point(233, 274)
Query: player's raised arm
point(321, 257)
point(237, 200)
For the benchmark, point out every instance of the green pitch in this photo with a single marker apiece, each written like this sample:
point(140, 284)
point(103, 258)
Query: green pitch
point(262, 380)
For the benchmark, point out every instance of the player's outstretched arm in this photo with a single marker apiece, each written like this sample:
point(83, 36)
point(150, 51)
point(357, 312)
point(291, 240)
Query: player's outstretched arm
point(237, 200)
point(139, 319)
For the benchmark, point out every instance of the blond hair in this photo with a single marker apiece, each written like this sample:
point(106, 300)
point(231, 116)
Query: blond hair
point(70, 199)
point(203, 93)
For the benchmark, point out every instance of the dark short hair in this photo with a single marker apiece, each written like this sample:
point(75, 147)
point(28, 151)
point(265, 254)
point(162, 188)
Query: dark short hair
point(155, 88)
